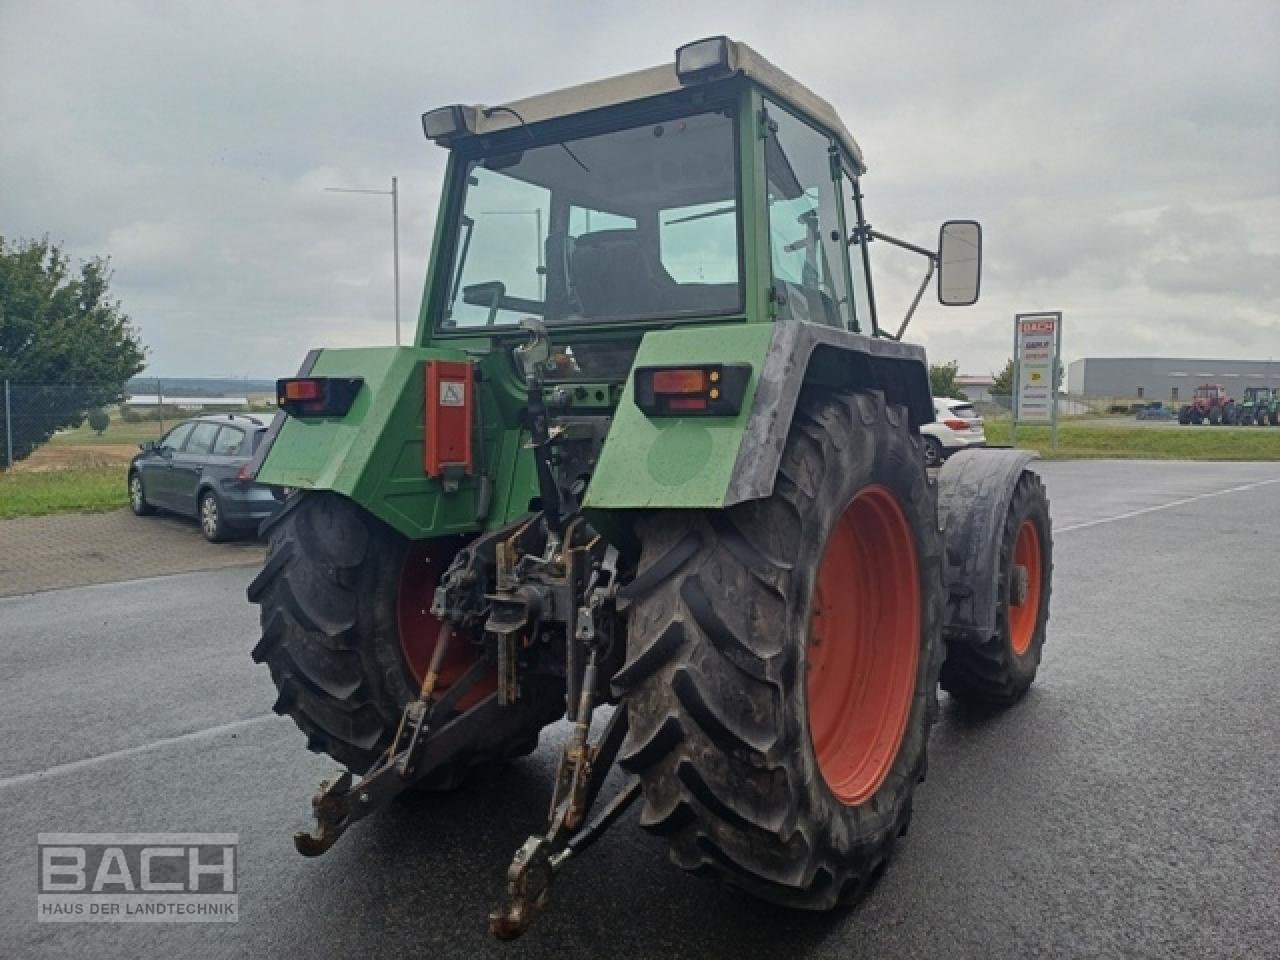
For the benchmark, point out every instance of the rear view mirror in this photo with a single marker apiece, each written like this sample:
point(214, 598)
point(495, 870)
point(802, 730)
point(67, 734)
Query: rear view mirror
point(959, 262)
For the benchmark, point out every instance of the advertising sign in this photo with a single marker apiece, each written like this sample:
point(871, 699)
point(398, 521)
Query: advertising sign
point(1037, 338)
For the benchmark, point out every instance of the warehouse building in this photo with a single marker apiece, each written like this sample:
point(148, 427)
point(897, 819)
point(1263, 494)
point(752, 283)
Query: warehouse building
point(1165, 378)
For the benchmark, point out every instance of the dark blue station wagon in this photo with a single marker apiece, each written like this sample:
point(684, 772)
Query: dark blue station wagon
point(200, 469)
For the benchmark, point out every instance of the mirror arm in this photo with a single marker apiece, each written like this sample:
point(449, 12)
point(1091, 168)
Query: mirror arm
point(877, 235)
point(930, 255)
point(911, 310)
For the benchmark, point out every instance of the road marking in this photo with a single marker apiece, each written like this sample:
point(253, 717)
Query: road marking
point(77, 765)
point(1165, 506)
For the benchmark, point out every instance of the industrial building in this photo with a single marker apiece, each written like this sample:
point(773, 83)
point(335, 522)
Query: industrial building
point(1171, 379)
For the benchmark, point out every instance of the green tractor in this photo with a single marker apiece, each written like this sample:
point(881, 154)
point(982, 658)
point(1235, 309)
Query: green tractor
point(1261, 406)
point(651, 464)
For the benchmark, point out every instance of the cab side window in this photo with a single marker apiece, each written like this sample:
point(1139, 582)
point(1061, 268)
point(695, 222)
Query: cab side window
point(856, 252)
point(806, 243)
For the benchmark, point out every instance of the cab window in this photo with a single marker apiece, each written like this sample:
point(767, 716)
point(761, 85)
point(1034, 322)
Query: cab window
point(806, 243)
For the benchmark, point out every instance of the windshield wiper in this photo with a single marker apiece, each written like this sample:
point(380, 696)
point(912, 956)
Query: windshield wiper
point(468, 225)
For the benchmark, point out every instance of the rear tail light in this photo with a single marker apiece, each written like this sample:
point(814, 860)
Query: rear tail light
point(244, 474)
point(956, 424)
point(317, 396)
point(710, 390)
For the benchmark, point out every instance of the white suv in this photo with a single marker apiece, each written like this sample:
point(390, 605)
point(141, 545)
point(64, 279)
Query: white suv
point(956, 426)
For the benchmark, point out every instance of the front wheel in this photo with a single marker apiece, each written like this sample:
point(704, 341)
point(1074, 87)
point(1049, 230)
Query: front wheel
point(933, 455)
point(999, 669)
point(138, 496)
point(783, 658)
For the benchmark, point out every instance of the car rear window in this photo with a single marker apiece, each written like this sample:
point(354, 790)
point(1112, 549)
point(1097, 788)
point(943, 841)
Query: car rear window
point(229, 442)
point(964, 411)
point(201, 438)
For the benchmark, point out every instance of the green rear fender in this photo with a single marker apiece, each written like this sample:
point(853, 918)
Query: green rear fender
point(713, 462)
point(374, 454)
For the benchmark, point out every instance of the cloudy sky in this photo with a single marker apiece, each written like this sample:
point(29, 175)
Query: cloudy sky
point(1124, 158)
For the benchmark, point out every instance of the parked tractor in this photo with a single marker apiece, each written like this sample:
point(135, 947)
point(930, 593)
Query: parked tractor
point(652, 465)
point(1261, 406)
point(1209, 404)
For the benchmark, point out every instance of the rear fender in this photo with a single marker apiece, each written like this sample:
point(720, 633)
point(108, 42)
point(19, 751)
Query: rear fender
point(716, 462)
point(974, 491)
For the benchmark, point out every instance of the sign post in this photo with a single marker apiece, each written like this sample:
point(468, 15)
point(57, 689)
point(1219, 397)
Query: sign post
point(1037, 348)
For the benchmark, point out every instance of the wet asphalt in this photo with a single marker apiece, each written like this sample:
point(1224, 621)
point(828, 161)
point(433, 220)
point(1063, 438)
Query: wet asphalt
point(1129, 807)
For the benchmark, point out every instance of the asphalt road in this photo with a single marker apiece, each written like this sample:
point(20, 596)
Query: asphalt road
point(1129, 807)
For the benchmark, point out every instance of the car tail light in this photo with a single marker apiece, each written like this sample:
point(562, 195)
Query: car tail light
point(317, 396)
point(711, 389)
point(244, 474)
point(956, 424)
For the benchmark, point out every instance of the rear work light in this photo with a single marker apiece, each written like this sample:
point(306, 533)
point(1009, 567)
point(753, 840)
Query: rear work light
point(707, 389)
point(317, 396)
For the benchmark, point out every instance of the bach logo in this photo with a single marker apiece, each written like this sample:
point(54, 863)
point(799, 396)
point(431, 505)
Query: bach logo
point(138, 877)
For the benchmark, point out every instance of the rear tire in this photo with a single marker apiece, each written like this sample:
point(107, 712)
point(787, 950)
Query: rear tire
point(1000, 669)
point(343, 600)
point(729, 662)
point(212, 522)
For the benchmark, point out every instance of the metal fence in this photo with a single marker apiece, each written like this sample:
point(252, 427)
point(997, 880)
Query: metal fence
point(46, 426)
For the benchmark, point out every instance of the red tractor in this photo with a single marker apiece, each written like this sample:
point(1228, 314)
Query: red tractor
point(1209, 402)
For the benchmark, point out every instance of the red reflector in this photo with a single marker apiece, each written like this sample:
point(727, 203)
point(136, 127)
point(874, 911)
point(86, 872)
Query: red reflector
point(680, 381)
point(687, 403)
point(243, 474)
point(302, 390)
point(956, 424)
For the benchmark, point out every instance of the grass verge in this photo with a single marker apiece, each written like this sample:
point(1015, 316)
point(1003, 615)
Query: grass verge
point(37, 494)
point(1144, 443)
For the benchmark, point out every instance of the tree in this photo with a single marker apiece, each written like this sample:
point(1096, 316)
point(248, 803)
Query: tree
point(65, 345)
point(942, 380)
point(1002, 385)
point(98, 420)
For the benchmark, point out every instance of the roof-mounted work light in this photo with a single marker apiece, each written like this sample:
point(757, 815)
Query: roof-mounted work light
point(702, 60)
point(445, 123)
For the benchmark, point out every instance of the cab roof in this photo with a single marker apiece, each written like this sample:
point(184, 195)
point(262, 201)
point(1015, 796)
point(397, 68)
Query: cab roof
point(736, 59)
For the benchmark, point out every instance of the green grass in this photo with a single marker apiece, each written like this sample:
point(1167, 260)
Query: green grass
point(1144, 443)
point(38, 493)
point(118, 432)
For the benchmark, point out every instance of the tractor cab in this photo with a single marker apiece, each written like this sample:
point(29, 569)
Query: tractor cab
point(712, 190)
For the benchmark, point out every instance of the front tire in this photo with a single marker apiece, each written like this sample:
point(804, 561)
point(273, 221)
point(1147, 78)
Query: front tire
point(933, 454)
point(1000, 669)
point(762, 637)
point(138, 496)
point(347, 636)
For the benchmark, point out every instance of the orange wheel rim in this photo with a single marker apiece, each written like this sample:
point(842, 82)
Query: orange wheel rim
point(424, 563)
point(1023, 616)
point(864, 645)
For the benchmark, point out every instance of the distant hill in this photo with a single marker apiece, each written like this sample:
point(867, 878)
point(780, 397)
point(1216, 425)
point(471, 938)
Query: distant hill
point(200, 386)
